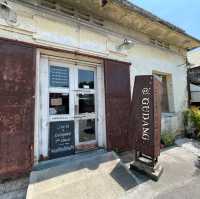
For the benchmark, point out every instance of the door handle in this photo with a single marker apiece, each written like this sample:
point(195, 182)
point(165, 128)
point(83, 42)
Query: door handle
point(79, 117)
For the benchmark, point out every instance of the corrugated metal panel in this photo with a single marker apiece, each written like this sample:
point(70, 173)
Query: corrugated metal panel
point(145, 115)
point(17, 87)
point(117, 93)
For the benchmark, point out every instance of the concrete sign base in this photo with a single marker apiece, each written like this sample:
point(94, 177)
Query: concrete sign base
point(141, 165)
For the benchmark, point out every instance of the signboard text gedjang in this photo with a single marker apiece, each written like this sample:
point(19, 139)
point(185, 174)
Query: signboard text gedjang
point(145, 114)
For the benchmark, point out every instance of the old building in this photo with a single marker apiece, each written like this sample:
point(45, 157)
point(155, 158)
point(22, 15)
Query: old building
point(67, 73)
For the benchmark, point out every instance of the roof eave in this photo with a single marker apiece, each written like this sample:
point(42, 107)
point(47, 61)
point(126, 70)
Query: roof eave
point(132, 7)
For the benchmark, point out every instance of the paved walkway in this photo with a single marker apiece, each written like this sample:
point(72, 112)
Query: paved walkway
point(189, 145)
point(190, 190)
point(102, 176)
point(97, 176)
point(181, 176)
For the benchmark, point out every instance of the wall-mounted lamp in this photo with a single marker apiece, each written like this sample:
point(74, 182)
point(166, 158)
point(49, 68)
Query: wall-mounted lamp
point(127, 44)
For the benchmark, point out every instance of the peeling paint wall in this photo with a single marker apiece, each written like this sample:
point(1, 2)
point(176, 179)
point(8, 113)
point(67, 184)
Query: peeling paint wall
point(63, 33)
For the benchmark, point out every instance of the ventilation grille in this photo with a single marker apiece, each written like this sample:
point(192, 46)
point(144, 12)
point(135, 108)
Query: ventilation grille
point(51, 4)
point(160, 43)
point(66, 10)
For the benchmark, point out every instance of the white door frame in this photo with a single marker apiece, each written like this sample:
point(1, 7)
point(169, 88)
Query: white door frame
point(41, 137)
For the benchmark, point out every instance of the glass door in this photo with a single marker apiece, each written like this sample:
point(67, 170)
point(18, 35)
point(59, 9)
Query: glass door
point(85, 107)
point(61, 112)
point(72, 108)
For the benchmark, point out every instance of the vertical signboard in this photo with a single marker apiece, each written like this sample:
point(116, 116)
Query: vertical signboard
point(61, 139)
point(145, 124)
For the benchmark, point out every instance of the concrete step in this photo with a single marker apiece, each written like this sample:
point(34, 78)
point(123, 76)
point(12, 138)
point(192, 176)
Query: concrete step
point(70, 164)
point(14, 185)
point(67, 160)
point(17, 194)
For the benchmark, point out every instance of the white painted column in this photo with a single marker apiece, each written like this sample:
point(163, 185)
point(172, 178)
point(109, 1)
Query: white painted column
point(101, 107)
point(44, 106)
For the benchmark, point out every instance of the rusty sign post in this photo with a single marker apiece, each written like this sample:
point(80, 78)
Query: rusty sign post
point(145, 124)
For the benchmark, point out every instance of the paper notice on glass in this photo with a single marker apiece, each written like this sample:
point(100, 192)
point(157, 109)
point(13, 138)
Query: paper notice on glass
point(56, 102)
point(86, 86)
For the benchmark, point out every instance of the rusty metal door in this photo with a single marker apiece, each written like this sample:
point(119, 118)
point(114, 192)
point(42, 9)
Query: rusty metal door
point(117, 95)
point(17, 88)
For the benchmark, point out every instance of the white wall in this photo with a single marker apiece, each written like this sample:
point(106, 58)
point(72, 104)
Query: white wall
point(41, 28)
point(144, 60)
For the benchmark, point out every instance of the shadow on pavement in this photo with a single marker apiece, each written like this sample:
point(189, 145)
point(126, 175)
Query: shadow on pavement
point(91, 162)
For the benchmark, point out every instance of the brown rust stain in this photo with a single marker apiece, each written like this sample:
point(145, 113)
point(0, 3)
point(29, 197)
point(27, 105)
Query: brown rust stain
point(17, 82)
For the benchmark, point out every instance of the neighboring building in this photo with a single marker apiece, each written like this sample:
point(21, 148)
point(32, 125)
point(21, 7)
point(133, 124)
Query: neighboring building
point(194, 77)
point(194, 58)
point(67, 73)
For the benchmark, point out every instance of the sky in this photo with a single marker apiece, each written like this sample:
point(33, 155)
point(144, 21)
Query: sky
point(183, 13)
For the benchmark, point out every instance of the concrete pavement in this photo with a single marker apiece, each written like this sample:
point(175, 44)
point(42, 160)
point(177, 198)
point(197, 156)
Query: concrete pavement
point(102, 176)
point(180, 178)
point(99, 176)
point(190, 190)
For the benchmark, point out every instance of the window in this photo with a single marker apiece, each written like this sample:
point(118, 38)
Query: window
point(86, 130)
point(167, 95)
point(86, 103)
point(59, 77)
point(86, 79)
point(58, 103)
point(59, 96)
